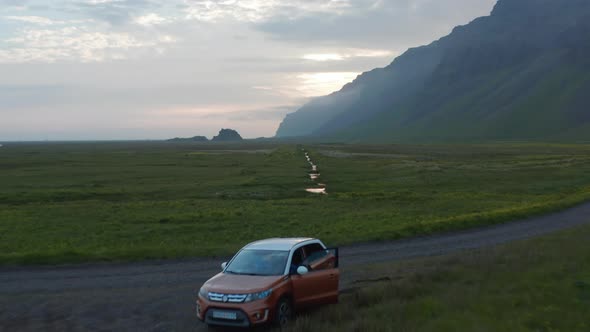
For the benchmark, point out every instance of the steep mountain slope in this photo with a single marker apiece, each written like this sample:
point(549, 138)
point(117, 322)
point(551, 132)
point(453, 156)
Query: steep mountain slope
point(521, 73)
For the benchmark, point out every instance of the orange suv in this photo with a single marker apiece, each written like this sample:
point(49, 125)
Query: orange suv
point(267, 280)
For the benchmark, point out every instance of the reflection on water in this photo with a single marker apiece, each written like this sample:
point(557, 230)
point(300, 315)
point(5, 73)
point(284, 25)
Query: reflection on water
point(314, 175)
point(317, 191)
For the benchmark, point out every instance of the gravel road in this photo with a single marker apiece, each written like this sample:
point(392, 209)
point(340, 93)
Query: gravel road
point(159, 296)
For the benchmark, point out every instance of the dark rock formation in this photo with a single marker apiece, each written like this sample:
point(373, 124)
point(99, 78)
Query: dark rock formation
point(227, 135)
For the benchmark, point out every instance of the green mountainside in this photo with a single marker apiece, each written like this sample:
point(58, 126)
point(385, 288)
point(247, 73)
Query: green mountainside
point(522, 73)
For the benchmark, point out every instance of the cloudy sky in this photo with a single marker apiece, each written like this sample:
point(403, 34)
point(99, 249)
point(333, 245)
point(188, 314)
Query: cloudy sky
point(135, 69)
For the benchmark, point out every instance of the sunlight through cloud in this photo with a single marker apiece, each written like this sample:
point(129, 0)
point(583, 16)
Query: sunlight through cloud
point(151, 20)
point(347, 54)
point(317, 84)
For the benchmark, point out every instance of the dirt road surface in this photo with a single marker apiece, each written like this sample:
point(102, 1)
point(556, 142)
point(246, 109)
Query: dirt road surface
point(159, 296)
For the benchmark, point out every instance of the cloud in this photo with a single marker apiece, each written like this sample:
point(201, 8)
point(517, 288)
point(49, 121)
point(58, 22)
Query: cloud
point(13, 97)
point(109, 69)
point(39, 20)
point(347, 54)
point(318, 84)
point(259, 10)
point(19, 4)
point(151, 19)
point(324, 57)
point(114, 12)
point(75, 44)
point(230, 112)
point(391, 24)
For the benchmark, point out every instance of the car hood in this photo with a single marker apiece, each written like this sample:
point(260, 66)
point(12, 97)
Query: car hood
point(241, 284)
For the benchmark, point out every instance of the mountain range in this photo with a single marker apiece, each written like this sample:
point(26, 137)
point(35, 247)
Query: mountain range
point(521, 73)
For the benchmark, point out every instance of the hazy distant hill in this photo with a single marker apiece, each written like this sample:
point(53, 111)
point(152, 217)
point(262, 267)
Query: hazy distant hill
point(521, 73)
point(190, 139)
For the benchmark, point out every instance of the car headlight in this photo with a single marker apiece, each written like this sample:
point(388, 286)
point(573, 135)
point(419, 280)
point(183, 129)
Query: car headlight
point(258, 296)
point(203, 293)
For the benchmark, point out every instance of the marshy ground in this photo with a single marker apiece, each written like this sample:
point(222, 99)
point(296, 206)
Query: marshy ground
point(91, 202)
point(81, 202)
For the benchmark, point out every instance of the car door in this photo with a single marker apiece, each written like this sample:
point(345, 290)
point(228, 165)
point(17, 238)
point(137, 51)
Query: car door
point(320, 284)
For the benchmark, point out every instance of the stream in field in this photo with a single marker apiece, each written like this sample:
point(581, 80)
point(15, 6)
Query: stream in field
point(314, 175)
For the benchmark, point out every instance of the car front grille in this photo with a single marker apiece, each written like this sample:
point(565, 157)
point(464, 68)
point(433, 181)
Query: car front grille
point(228, 298)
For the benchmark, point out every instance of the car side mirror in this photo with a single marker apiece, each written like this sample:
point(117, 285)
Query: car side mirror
point(302, 270)
point(223, 265)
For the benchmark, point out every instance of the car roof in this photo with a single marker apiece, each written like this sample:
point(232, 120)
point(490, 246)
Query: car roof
point(277, 243)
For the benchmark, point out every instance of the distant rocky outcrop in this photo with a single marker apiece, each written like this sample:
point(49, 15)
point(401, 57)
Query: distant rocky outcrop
point(190, 139)
point(227, 135)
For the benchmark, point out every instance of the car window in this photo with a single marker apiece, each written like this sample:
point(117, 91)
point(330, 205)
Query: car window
point(258, 262)
point(296, 260)
point(317, 258)
point(310, 249)
point(297, 257)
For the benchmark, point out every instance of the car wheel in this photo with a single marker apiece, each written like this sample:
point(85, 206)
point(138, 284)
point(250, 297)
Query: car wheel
point(283, 312)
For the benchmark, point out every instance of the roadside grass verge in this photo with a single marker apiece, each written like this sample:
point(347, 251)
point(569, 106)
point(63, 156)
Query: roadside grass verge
point(534, 285)
point(79, 202)
point(488, 217)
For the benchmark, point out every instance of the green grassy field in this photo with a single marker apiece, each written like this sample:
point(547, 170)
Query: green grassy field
point(79, 202)
point(534, 285)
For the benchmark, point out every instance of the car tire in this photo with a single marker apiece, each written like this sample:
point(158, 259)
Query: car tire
point(283, 313)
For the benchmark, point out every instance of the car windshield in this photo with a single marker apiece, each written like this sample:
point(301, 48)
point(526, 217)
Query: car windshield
point(258, 262)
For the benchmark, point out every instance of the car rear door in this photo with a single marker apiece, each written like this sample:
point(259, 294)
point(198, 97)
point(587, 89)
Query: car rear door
point(321, 284)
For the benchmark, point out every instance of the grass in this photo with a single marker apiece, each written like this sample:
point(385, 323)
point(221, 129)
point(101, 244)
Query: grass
point(538, 285)
point(77, 202)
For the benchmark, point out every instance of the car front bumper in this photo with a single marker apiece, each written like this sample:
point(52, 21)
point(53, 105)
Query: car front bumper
point(246, 314)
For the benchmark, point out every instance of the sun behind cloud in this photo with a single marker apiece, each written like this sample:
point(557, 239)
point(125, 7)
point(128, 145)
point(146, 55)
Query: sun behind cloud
point(318, 84)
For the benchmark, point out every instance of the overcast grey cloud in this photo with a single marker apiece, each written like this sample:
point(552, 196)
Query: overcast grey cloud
point(133, 69)
point(391, 24)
